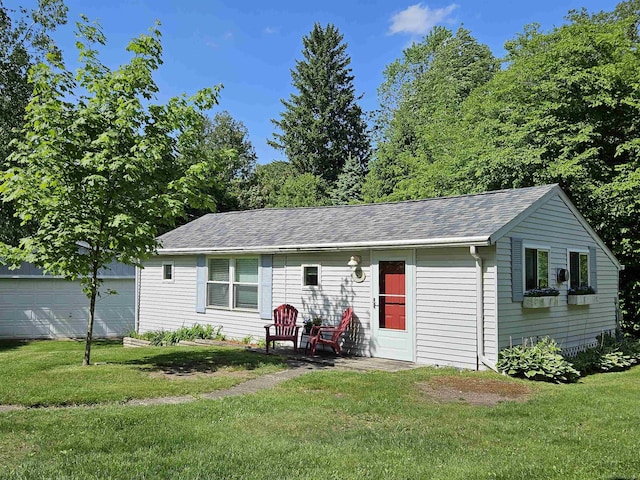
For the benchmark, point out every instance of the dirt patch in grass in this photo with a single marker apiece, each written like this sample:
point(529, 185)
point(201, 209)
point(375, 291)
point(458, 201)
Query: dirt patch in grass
point(476, 391)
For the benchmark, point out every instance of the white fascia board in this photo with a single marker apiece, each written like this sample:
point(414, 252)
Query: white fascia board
point(432, 242)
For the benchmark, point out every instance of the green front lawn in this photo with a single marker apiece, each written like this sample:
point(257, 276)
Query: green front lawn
point(51, 372)
point(341, 425)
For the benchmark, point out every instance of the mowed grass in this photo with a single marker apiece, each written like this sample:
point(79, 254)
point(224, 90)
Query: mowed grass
point(341, 425)
point(46, 373)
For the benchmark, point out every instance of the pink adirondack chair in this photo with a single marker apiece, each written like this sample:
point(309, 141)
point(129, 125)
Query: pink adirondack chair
point(336, 332)
point(284, 326)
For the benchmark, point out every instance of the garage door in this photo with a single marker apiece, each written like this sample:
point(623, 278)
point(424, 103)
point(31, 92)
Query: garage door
point(56, 308)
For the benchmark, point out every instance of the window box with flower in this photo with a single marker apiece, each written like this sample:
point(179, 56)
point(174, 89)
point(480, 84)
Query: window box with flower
point(584, 295)
point(541, 298)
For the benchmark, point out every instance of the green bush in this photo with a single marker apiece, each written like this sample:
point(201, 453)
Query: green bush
point(537, 361)
point(612, 353)
point(196, 332)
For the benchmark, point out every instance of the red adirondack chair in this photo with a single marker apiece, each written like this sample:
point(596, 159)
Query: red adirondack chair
point(336, 332)
point(284, 326)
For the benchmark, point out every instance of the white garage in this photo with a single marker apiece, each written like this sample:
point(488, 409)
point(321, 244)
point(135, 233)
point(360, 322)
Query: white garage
point(33, 305)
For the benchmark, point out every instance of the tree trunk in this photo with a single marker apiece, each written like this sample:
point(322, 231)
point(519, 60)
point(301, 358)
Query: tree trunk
point(92, 311)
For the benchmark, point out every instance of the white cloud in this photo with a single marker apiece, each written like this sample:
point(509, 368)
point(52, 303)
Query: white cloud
point(270, 30)
point(418, 19)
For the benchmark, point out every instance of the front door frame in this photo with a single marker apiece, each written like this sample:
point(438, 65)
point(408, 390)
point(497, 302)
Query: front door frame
point(385, 343)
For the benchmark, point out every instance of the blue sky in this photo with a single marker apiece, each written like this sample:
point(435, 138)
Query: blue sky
point(250, 46)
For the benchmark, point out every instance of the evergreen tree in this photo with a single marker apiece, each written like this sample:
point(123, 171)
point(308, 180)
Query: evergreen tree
point(348, 187)
point(322, 124)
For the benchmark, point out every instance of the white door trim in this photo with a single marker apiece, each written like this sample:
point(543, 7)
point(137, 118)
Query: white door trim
point(399, 345)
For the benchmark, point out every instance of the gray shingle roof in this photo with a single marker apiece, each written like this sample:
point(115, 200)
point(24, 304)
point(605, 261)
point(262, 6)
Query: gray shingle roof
point(445, 220)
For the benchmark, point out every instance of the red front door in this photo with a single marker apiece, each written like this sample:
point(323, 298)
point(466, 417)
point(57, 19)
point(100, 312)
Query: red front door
point(392, 295)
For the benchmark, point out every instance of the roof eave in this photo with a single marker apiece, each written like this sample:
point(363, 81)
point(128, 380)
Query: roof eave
point(477, 241)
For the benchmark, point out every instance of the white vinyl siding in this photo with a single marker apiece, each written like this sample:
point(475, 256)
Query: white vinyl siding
point(555, 225)
point(328, 300)
point(169, 306)
point(446, 306)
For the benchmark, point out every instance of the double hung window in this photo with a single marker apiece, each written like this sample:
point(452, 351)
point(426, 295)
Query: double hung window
point(536, 268)
point(310, 275)
point(233, 283)
point(578, 269)
point(167, 271)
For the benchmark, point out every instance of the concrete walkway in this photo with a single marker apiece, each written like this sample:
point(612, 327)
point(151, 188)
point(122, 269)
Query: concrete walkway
point(298, 364)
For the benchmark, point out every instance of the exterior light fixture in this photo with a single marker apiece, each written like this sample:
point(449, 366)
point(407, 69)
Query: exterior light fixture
point(357, 274)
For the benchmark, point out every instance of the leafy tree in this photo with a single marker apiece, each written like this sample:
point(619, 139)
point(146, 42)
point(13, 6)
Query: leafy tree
point(24, 39)
point(228, 138)
point(100, 166)
point(322, 124)
point(420, 107)
point(566, 110)
point(265, 184)
point(279, 185)
point(301, 190)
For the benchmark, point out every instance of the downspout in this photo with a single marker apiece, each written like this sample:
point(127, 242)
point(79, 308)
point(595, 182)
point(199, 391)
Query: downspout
point(136, 299)
point(480, 311)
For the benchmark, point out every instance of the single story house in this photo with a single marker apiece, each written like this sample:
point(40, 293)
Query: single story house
point(438, 281)
point(35, 305)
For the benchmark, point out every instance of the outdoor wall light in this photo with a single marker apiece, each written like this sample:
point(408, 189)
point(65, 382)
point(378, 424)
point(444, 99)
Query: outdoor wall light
point(357, 273)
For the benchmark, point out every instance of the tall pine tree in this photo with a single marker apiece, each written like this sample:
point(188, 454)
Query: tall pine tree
point(322, 125)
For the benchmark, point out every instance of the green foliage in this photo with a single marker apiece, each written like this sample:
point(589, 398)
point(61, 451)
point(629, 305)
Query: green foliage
point(265, 184)
point(348, 187)
point(303, 190)
point(99, 166)
point(196, 332)
point(228, 139)
point(612, 353)
point(537, 361)
point(322, 125)
point(417, 144)
point(24, 39)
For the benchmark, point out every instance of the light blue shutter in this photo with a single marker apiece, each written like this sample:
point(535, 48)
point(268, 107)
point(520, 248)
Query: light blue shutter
point(201, 284)
point(517, 289)
point(593, 267)
point(266, 286)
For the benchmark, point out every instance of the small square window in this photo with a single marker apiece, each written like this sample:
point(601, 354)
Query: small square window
point(167, 271)
point(310, 275)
